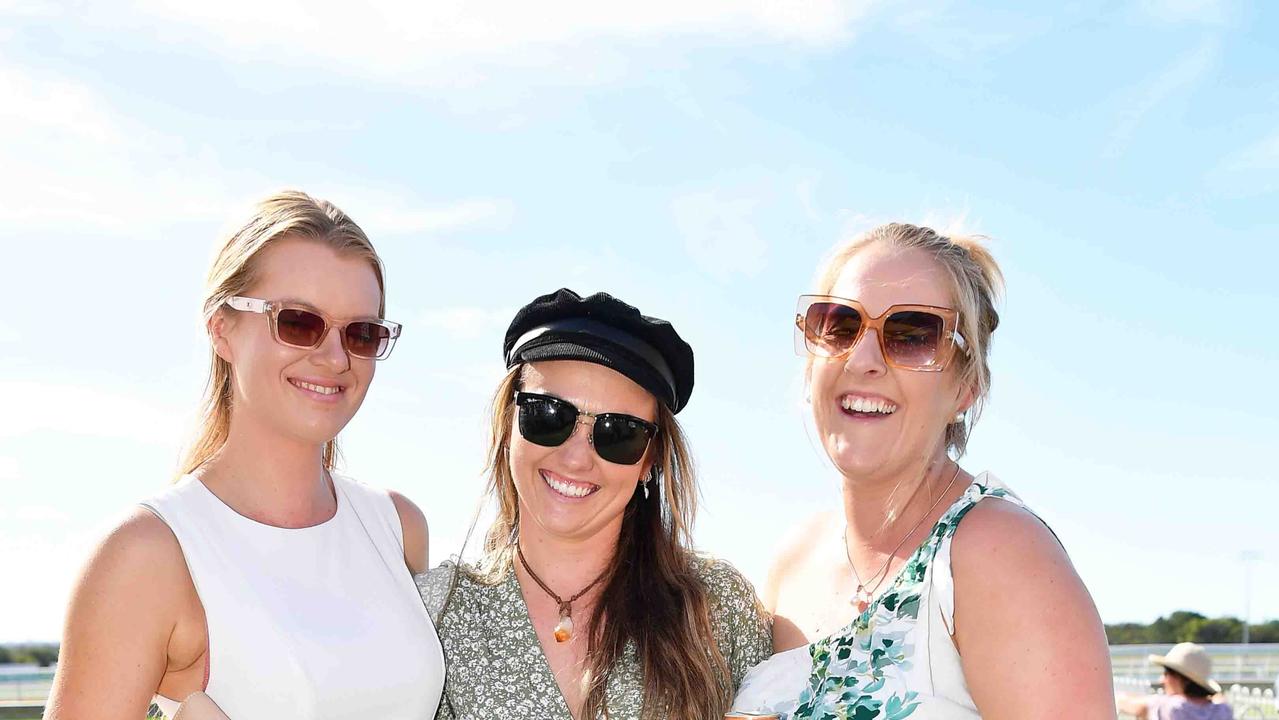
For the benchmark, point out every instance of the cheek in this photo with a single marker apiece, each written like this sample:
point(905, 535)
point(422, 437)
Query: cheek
point(524, 459)
point(931, 401)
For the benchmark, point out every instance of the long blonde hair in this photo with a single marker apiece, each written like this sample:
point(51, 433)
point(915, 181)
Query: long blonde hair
point(291, 214)
point(651, 593)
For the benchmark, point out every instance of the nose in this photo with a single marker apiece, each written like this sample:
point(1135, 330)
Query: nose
point(330, 354)
point(866, 357)
point(578, 452)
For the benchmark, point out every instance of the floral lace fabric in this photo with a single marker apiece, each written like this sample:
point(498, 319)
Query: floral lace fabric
point(496, 668)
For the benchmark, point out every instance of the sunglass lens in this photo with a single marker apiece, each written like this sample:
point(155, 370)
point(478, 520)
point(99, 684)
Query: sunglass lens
point(830, 329)
point(546, 421)
point(367, 339)
point(911, 337)
point(619, 439)
point(299, 328)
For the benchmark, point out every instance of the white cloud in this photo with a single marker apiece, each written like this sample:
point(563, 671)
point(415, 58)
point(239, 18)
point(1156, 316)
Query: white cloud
point(1250, 171)
point(1261, 155)
point(401, 218)
point(33, 514)
point(82, 165)
point(1180, 77)
point(81, 410)
point(405, 41)
point(468, 322)
point(720, 234)
point(1202, 12)
point(8, 468)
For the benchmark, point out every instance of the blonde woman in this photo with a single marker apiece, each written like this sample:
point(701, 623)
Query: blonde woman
point(930, 592)
point(262, 577)
point(588, 600)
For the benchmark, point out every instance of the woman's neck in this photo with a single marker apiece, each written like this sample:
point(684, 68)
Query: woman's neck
point(907, 494)
point(566, 565)
point(272, 479)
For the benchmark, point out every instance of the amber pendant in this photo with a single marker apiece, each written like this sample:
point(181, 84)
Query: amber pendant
point(564, 628)
point(860, 600)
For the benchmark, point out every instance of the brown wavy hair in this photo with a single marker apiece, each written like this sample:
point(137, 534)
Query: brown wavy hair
point(289, 213)
point(652, 595)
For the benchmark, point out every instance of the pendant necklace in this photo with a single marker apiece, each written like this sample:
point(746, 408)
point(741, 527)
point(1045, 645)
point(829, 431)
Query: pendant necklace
point(861, 597)
point(564, 628)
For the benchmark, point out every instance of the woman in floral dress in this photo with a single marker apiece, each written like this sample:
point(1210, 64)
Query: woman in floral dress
point(930, 593)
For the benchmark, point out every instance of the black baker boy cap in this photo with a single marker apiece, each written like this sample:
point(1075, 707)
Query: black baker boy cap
point(604, 330)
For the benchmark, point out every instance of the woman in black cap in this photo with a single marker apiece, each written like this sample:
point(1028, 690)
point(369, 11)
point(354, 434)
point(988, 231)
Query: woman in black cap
point(588, 599)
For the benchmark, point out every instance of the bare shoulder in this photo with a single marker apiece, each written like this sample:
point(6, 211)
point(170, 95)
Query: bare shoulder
point(139, 552)
point(123, 612)
point(793, 549)
point(415, 530)
point(141, 544)
point(995, 533)
point(1019, 608)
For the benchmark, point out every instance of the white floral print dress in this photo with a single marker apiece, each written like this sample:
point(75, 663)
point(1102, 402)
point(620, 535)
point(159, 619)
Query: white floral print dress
point(895, 661)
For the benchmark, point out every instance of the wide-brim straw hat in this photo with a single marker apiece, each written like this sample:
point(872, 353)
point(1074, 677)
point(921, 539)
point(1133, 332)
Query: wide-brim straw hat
point(1190, 660)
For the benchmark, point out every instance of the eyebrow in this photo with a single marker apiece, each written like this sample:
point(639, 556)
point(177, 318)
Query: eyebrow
point(309, 306)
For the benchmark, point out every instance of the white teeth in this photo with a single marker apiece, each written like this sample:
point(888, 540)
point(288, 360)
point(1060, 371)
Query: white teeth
point(564, 488)
point(868, 405)
point(318, 388)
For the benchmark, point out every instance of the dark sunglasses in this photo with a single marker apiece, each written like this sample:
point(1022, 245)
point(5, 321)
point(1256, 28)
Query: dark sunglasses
point(549, 422)
point(301, 327)
point(911, 337)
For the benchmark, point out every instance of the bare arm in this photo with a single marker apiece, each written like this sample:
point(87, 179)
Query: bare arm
point(1030, 640)
point(1134, 705)
point(416, 535)
point(123, 611)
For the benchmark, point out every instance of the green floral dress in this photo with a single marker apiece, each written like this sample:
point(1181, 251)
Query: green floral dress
point(495, 667)
point(896, 660)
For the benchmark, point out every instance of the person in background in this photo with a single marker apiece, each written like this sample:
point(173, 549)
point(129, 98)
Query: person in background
point(589, 600)
point(262, 578)
point(930, 592)
point(1188, 689)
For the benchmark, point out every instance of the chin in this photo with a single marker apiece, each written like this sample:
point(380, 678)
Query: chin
point(569, 522)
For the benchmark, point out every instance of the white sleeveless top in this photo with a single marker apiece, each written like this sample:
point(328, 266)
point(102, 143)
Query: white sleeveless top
point(315, 623)
point(895, 661)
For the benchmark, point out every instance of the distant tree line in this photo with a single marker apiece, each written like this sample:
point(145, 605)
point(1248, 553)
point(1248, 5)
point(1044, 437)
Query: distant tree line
point(1187, 626)
point(42, 654)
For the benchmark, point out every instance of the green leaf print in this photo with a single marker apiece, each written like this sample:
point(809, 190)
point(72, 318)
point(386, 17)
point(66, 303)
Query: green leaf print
point(865, 671)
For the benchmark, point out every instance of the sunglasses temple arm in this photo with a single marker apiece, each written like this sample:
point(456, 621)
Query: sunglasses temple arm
point(245, 304)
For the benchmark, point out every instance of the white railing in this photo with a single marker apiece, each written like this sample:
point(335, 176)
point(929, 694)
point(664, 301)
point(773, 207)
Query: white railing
point(1247, 703)
point(1250, 664)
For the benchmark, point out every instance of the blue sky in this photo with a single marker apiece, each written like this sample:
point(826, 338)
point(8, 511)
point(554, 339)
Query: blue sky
point(696, 158)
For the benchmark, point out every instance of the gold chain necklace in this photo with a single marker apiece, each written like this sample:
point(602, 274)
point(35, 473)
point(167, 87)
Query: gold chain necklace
point(564, 628)
point(861, 597)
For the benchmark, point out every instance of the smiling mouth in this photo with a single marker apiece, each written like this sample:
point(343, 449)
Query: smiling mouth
point(318, 389)
point(866, 407)
point(568, 489)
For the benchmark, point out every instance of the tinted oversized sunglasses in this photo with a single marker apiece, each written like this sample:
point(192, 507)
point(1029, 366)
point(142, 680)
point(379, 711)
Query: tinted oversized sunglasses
point(549, 422)
point(911, 337)
point(301, 327)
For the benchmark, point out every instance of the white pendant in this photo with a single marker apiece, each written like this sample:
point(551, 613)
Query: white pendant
point(564, 629)
point(860, 599)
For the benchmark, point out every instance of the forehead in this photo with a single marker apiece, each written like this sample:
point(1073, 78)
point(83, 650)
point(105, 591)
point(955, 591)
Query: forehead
point(312, 273)
point(591, 387)
point(881, 276)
